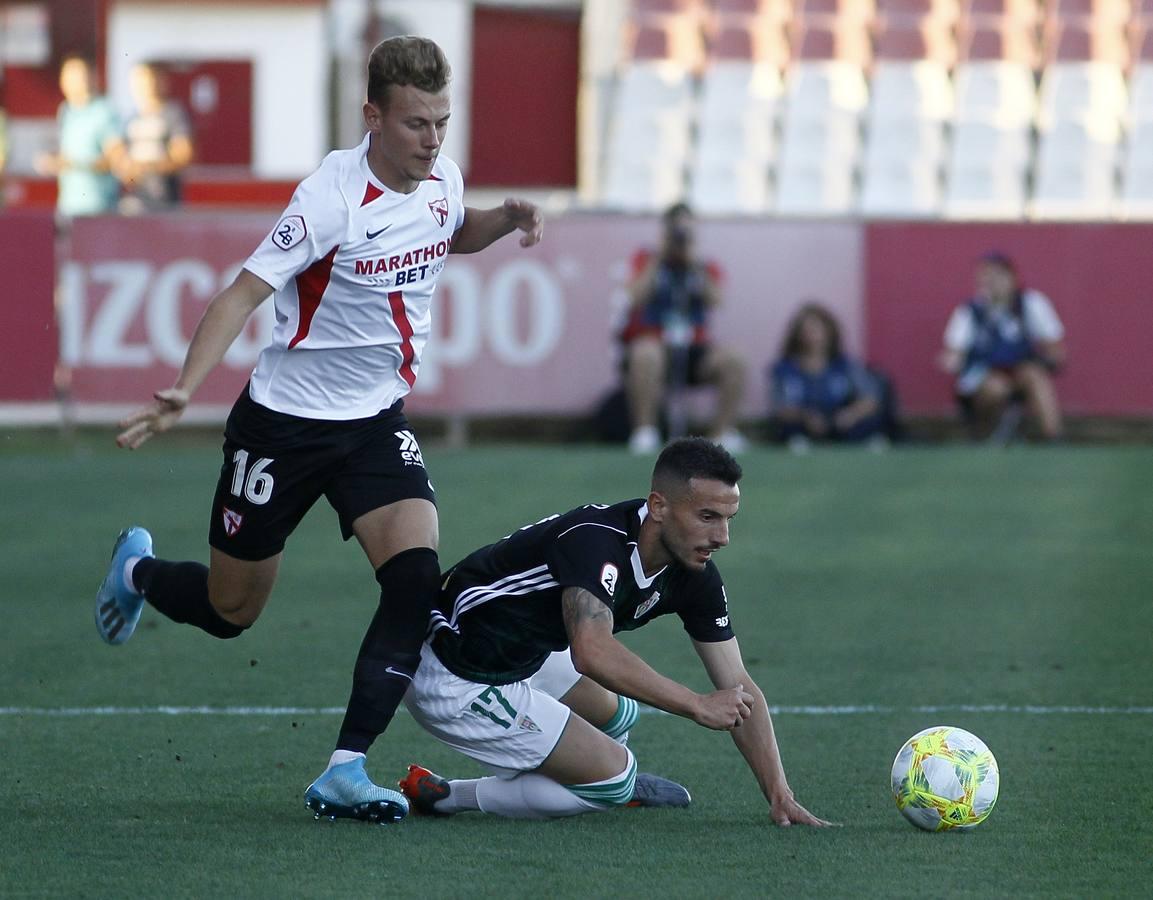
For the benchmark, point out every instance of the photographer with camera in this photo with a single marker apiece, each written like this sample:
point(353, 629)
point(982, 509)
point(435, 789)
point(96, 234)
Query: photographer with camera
point(666, 340)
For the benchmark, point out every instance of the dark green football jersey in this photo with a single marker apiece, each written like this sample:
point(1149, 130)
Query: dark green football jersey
point(499, 613)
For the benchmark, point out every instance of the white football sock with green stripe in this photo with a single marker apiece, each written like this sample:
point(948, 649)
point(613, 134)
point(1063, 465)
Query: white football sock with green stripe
point(625, 718)
point(532, 796)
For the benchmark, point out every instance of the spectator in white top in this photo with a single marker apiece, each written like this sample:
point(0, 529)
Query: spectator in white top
point(1004, 345)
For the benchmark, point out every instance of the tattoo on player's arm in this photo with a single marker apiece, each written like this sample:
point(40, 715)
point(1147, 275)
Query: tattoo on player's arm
point(581, 608)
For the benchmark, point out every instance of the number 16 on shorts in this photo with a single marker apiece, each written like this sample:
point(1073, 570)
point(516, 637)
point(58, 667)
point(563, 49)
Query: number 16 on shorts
point(254, 484)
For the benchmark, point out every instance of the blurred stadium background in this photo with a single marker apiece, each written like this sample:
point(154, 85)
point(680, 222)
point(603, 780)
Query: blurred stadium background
point(862, 152)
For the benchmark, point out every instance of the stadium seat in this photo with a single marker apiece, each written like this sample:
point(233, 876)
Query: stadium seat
point(1135, 201)
point(984, 191)
point(1076, 174)
point(994, 81)
point(1002, 94)
point(1084, 77)
point(988, 143)
point(722, 186)
point(909, 140)
point(638, 184)
point(897, 188)
point(1141, 78)
point(919, 90)
point(812, 187)
point(739, 108)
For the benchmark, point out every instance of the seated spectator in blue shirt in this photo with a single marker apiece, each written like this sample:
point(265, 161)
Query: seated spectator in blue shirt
point(819, 393)
point(1003, 345)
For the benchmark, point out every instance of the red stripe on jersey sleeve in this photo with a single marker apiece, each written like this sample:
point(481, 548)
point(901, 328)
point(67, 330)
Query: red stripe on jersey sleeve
point(371, 192)
point(310, 287)
point(400, 317)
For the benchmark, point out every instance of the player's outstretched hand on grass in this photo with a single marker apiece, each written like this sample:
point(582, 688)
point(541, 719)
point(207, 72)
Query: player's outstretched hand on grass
point(787, 811)
point(725, 710)
point(526, 217)
point(159, 415)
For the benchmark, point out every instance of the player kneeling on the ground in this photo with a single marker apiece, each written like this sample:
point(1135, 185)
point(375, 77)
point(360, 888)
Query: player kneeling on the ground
point(496, 680)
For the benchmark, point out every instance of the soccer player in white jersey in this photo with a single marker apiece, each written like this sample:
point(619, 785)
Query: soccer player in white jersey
point(523, 672)
point(352, 266)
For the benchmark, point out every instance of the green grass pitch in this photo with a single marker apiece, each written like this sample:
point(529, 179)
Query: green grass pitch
point(1018, 579)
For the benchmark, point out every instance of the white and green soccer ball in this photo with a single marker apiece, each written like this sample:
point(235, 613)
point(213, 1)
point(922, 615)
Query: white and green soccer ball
point(945, 778)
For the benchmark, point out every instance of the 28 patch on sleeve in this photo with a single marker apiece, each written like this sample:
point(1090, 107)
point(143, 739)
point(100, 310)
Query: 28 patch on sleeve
point(609, 575)
point(289, 232)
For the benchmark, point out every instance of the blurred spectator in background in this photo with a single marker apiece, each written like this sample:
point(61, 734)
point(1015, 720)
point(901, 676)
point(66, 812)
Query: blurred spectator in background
point(820, 394)
point(1004, 345)
point(90, 145)
point(158, 146)
point(666, 339)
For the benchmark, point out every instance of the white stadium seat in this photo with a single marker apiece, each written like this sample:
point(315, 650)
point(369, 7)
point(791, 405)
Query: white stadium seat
point(1141, 93)
point(1001, 93)
point(893, 188)
point(986, 142)
point(984, 191)
point(815, 188)
point(911, 141)
point(724, 187)
point(1135, 201)
point(638, 184)
point(1081, 89)
point(900, 90)
point(1076, 175)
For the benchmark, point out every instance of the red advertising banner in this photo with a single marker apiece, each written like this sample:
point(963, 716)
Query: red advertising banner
point(28, 336)
point(1099, 278)
point(514, 330)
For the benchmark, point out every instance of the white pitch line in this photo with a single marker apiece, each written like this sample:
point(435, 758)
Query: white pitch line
point(79, 711)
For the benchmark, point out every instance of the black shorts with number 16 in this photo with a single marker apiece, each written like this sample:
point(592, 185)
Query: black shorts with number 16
point(276, 466)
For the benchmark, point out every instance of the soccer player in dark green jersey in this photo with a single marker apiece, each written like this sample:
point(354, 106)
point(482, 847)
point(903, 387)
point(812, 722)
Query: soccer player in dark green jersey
point(523, 673)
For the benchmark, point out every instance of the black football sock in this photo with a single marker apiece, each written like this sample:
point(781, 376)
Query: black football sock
point(390, 652)
point(180, 591)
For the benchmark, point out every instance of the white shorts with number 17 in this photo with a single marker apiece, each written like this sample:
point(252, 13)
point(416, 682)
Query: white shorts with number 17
point(508, 728)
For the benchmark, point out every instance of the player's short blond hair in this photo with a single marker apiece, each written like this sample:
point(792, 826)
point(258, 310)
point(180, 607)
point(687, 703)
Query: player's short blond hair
point(406, 60)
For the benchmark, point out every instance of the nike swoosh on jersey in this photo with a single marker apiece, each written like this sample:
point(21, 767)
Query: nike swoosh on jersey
point(373, 235)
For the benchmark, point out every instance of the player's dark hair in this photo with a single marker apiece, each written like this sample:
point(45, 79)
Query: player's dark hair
point(694, 457)
point(675, 211)
point(791, 346)
point(1000, 260)
point(406, 60)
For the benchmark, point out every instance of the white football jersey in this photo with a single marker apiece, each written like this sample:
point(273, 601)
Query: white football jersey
point(354, 266)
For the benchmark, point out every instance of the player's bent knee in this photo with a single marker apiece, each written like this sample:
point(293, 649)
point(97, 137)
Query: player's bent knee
point(615, 791)
point(625, 718)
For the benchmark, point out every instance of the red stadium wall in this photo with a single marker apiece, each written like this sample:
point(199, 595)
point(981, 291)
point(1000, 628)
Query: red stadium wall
point(28, 336)
point(1099, 278)
point(531, 331)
